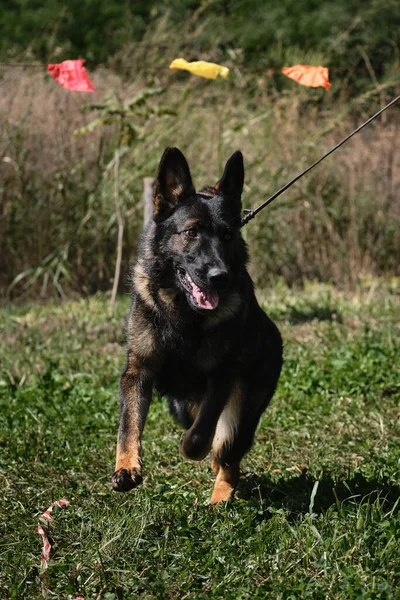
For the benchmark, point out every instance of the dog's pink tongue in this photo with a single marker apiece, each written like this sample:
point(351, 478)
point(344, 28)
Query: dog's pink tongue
point(205, 299)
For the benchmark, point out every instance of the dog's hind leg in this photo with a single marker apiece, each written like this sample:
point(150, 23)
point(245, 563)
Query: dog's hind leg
point(135, 391)
point(233, 438)
point(197, 441)
point(226, 462)
point(226, 431)
point(238, 423)
point(214, 465)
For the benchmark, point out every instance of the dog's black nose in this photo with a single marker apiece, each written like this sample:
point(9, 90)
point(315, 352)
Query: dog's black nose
point(218, 277)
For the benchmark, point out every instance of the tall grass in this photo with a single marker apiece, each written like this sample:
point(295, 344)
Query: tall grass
point(58, 227)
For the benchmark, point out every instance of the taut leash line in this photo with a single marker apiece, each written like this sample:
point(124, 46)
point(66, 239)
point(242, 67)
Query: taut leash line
point(250, 214)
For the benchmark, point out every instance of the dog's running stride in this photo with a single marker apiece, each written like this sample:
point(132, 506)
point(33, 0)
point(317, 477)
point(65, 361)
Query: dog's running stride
point(195, 330)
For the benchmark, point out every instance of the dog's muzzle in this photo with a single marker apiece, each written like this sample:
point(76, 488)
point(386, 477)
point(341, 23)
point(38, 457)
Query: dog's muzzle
point(205, 299)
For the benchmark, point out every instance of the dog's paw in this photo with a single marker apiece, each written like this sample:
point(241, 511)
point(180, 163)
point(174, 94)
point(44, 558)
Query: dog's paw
point(193, 446)
point(223, 492)
point(124, 480)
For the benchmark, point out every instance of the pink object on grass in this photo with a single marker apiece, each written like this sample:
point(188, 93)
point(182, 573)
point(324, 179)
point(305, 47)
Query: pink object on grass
point(47, 518)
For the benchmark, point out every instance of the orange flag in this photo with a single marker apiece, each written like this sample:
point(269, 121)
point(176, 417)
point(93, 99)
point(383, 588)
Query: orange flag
point(307, 75)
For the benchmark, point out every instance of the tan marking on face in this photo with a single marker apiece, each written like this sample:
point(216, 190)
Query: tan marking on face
point(192, 223)
point(142, 284)
point(178, 242)
point(228, 422)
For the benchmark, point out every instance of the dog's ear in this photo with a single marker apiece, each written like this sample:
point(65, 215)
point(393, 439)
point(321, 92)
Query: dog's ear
point(173, 183)
point(231, 183)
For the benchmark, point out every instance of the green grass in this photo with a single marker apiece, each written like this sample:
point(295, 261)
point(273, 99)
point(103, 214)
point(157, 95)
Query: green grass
point(317, 510)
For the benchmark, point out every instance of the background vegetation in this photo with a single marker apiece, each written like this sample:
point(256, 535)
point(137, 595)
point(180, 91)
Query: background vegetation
point(58, 226)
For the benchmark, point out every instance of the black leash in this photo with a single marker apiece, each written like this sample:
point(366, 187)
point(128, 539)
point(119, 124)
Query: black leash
point(250, 214)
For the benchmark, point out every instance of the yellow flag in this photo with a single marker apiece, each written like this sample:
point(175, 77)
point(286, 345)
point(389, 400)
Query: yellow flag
point(201, 68)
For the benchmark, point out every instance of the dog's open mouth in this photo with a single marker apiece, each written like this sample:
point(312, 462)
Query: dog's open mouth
point(200, 298)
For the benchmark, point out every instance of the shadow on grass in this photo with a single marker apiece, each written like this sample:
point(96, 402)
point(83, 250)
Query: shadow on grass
point(294, 494)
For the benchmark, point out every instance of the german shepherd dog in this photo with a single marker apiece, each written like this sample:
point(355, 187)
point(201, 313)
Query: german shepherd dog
point(195, 330)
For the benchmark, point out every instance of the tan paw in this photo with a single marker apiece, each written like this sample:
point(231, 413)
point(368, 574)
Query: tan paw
point(223, 492)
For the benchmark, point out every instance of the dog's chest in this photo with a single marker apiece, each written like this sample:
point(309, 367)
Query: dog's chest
point(192, 347)
point(210, 353)
point(184, 372)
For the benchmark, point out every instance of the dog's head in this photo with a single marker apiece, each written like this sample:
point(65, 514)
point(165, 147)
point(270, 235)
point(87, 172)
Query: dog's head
point(198, 234)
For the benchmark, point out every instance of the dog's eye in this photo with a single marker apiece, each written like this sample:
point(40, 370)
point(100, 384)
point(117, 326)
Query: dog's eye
point(192, 233)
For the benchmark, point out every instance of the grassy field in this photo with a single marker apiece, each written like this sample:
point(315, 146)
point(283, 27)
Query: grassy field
point(317, 510)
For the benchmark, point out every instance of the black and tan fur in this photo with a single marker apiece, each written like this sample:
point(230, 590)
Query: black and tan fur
point(217, 365)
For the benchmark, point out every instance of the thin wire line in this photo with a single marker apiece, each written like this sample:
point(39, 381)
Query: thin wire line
point(163, 68)
point(250, 214)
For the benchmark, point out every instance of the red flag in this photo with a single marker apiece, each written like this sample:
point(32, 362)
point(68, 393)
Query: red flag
point(72, 75)
point(309, 76)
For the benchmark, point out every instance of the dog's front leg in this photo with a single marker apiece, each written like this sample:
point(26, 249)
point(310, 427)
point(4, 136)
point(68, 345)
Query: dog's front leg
point(135, 391)
point(196, 442)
